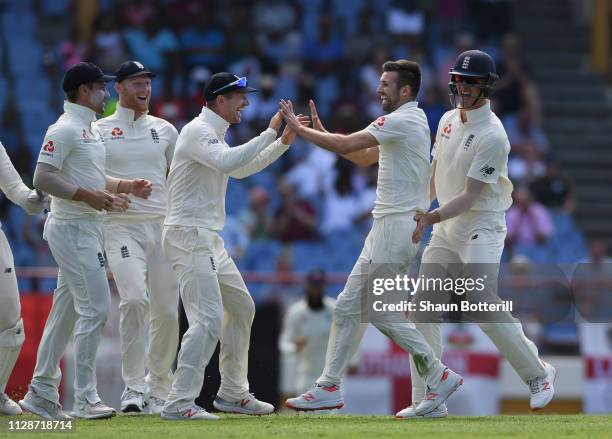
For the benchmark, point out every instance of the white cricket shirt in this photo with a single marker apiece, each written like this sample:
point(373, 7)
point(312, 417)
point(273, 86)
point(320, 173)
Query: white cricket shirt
point(403, 165)
point(74, 146)
point(140, 148)
point(202, 164)
point(478, 149)
point(313, 327)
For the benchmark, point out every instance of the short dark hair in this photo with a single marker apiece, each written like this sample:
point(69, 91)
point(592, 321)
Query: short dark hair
point(408, 73)
point(73, 95)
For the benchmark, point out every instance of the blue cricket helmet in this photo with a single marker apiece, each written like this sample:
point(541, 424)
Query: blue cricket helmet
point(477, 69)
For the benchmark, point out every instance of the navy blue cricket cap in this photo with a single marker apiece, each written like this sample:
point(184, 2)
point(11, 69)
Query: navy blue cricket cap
point(224, 82)
point(83, 73)
point(129, 69)
point(316, 276)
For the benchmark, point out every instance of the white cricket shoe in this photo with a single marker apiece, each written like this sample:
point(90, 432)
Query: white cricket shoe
point(156, 405)
point(449, 382)
point(542, 388)
point(193, 413)
point(247, 406)
point(132, 401)
point(99, 410)
point(43, 407)
point(410, 413)
point(318, 398)
point(8, 406)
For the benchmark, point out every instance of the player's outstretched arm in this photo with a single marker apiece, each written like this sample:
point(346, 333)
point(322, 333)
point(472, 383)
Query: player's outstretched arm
point(456, 206)
point(338, 143)
point(365, 157)
point(30, 200)
point(209, 151)
point(271, 153)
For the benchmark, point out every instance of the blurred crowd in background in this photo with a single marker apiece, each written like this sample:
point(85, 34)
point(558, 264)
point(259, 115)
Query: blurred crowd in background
point(309, 209)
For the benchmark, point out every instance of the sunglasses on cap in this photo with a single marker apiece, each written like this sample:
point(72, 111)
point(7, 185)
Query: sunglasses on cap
point(468, 80)
point(239, 83)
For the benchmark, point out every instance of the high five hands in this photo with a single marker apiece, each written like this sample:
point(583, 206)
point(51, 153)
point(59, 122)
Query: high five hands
point(295, 124)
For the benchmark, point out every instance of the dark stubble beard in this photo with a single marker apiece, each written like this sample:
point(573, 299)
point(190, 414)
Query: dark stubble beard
point(391, 104)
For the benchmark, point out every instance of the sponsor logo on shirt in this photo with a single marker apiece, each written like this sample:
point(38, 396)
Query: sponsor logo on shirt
point(447, 130)
point(154, 135)
point(379, 122)
point(487, 170)
point(48, 149)
point(212, 264)
point(116, 134)
point(213, 141)
point(468, 142)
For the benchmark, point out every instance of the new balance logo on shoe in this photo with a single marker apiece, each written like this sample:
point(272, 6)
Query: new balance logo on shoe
point(330, 388)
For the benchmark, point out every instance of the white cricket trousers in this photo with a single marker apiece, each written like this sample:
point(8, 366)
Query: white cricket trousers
point(218, 308)
point(389, 242)
point(81, 303)
point(11, 326)
point(446, 249)
point(149, 291)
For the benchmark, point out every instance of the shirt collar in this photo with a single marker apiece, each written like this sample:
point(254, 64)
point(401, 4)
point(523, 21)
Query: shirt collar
point(87, 115)
point(409, 104)
point(219, 124)
point(127, 114)
point(479, 114)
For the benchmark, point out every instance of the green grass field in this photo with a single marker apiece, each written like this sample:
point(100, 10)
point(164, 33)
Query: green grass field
point(294, 425)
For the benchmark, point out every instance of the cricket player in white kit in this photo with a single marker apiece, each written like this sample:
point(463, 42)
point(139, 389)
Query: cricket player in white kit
point(71, 168)
point(306, 329)
point(141, 145)
point(400, 143)
point(216, 300)
point(12, 333)
point(470, 181)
